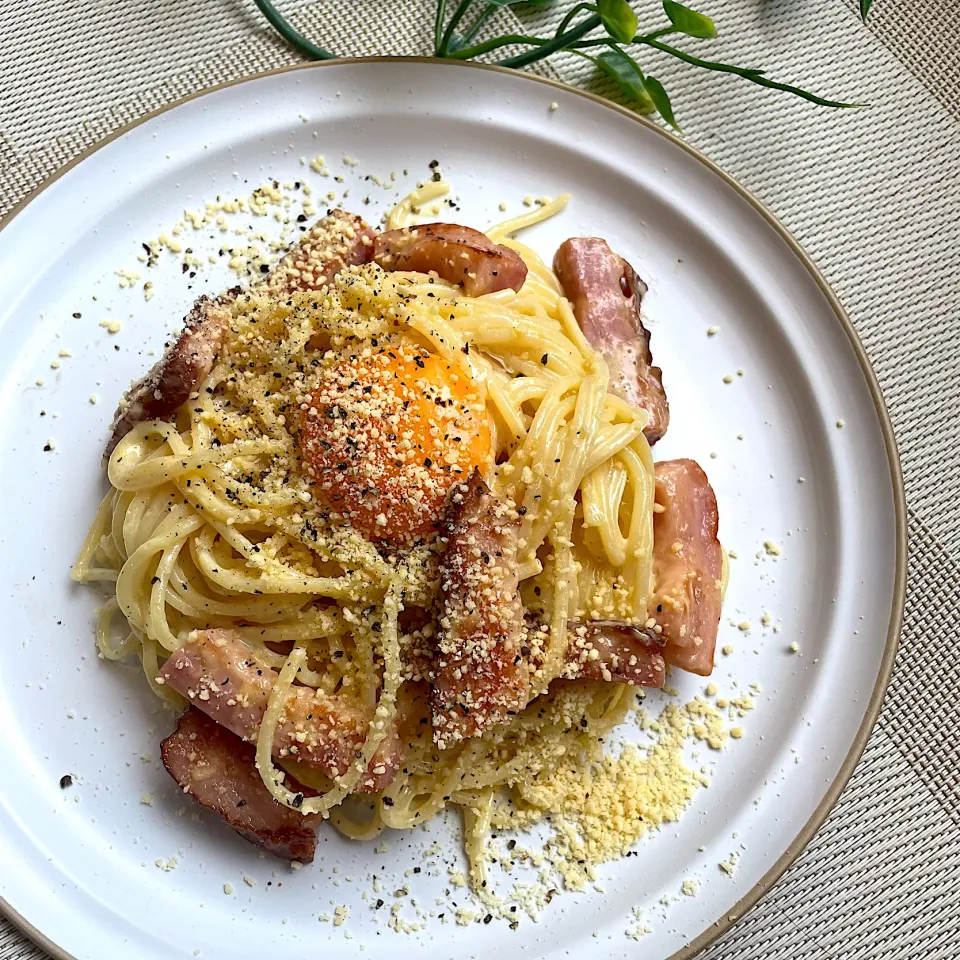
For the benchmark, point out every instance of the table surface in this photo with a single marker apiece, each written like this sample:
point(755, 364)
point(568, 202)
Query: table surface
point(874, 196)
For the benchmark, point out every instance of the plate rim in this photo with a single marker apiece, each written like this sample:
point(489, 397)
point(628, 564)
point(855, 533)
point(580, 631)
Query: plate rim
point(806, 833)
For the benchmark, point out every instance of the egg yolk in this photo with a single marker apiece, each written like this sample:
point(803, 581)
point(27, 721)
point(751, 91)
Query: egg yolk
point(386, 432)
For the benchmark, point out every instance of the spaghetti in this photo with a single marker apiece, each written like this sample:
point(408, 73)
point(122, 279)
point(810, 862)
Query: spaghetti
point(214, 522)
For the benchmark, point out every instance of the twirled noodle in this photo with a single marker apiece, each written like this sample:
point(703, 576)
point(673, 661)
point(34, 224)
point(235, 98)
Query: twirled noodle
point(409, 207)
point(209, 523)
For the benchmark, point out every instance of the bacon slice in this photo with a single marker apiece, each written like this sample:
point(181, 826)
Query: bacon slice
point(624, 653)
point(687, 565)
point(615, 651)
point(456, 254)
point(605, 293)
point(336, 241)
point(218, 770)
point(217, 673)
point(183, 367)
point(482, 670)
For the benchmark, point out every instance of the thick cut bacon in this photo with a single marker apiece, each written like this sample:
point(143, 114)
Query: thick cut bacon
point(456, 254)
point(217, 673)
point(605, 293)
point(178, 373)
point(482, 671)
point(687, 565)
point(612, 650)
point(218, 770)
point(336, 241)
point(487, 651)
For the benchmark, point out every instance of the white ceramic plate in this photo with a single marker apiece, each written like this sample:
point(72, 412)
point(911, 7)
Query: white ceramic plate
point(79, 864)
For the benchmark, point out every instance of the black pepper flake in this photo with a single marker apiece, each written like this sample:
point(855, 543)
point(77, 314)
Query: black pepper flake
point(522, 511)
point(66, 781)
point(388, 801)
point(488, 918)
point(545, 358)
point(297, 801)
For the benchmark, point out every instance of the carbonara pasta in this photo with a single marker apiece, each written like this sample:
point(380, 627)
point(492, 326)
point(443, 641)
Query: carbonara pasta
point(244, 514)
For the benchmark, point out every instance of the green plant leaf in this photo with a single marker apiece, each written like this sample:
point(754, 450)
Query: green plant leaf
point(618, 18)
point(865, 6)
point(691, 23)
point(754, 76)
point(615, 15)
point(660, 100)
point(628, 76)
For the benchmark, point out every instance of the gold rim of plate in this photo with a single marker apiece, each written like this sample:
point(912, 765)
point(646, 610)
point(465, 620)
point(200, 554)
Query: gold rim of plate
point(724, 922)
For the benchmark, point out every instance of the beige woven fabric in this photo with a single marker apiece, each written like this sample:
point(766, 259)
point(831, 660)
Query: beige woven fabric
point(874, 195)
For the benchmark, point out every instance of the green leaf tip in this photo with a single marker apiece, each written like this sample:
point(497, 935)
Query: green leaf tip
point(661, 101)
point(618, 18)
point(626, 73)
point(690, 22)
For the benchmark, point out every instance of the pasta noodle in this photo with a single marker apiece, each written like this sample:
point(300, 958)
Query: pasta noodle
point(208, 523)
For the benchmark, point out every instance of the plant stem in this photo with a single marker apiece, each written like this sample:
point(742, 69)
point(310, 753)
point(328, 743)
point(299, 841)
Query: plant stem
point(609, 42)
point(292, 36)
point(438, 25)
point(462, 7)
point(754, 76)
point(565, 22)
point(481, 19)
point(468, 53)
point(551, 46)
point(543, 46)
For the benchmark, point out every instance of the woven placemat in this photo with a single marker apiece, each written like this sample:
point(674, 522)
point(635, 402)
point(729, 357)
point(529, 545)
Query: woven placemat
point(873, 195)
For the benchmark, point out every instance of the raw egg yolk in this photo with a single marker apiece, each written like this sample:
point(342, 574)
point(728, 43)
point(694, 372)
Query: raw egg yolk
point(386, 432)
